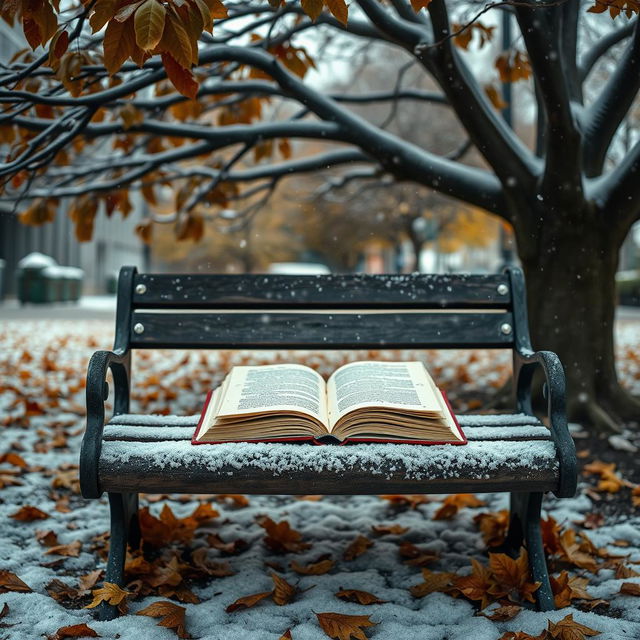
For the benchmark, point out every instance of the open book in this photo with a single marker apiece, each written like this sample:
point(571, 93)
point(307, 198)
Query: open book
point(366, 401)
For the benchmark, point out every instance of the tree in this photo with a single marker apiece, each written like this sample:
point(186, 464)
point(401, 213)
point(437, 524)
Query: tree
point(94, 114)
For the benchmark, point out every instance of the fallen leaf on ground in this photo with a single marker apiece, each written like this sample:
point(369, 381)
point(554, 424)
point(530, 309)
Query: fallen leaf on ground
point(361, 597)
point(110, 593)
point(172, 616)
point(14, 459)
point(315, 568)
point(503, 613)
point(384, 529)
point(231, 548)
point(281, 537)
point(609, 481)
point(512, 576)
point(342, 627)
point(493, 526)
point(521, 635)
point(47, 538)
point(10, 582)
point(29, 513)
point(569, 629)
point(404, 501)
point(88, 581)
point(415, 556)
point(357, 548)
point(247, 601)
point(453, 503)
point(432, 581)
point(61, 591)
point(71, 550)
point(630, 588)
point(74, 631)
point(476, 585)
point(286, 635)
point(236, 499)
point(283, 592)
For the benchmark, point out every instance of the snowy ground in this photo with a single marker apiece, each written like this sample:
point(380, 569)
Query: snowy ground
point(42, 368)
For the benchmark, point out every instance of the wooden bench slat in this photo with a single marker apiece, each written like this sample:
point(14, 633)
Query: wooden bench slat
point(342, 291)
point(289, 469)
point(320, 331)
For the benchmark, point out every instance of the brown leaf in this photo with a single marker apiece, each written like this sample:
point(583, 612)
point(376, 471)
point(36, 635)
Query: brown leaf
point(622, 571)
point(230, 548)
point(511, 576)
point(357, 548)
point(476, 585)
point(315, 568)
point(119, 44)
point(503, 613)
point(88, 581)
point(412, 501)
point(431, 582)
point(493, 526)
point(339, 10)
point(110, 593)
point(521, 635)
point(283, 592)
point(610, 481)
point(342, 627)
point(568, 629)
point(361, 597)
point(10, 582)
point(415, 556)
point(149, 22)
point(281, 538)
point(47, 538)
point(630, 588)
point(71, 550)
point(385, 529)
point(29, 514)
point(247, 601)
point(60, 591)
point(286, 635)
point(237, 499)
point(74, 631)
point(172, 616)
point(14, 459)
point(182, 79)
point(452, 504)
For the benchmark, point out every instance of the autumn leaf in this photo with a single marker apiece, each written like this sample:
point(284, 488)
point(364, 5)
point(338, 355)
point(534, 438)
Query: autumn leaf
point(420, 4)
point(343, 627)
point(521, 635)
point(149, 23)
point(495, 97)
point(315, 568)
point(118, 45)
point(610, 481)
point(431, 582)
point(569, 629)
point(283, 592)
point(623, 571)
point(357, 548)
point(247, 601)
point(630, 588)
point(172, 616)
point(110, 593)
point(71, 550)
point(361, 597)
point(511, 576)
point(29, 514)
point(389, 529)
point(339, 10)
point(281, 538)
point(414, 556)
point(286, 635)
point(476, 585)
point(10, 582)
point(14, 459)
point(452, 504)
point(313, 8)
point(74, 631)
point(412, 501)
point(238, 500)
point(181, 78)
point(493, 526)
point(230, 548)
point(503, 613)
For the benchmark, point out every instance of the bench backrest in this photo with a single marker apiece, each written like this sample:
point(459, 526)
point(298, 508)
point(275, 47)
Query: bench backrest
point(320, 312)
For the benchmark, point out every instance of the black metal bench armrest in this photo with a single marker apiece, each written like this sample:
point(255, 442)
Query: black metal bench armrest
point(525, 364)
point(97, 392)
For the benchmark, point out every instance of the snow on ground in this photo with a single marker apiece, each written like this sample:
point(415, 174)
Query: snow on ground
point(42, 366)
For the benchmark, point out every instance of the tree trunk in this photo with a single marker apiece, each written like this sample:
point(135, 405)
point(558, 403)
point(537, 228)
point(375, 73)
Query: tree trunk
point(569, 265)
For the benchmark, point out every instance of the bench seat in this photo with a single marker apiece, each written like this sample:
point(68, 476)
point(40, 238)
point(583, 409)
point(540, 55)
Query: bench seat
point(506, 452)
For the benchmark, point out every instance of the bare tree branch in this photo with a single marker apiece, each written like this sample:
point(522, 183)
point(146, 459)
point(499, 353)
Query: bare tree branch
point(590, 59)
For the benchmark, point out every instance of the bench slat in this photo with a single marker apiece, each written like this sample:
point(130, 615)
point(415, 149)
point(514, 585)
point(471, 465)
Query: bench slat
point(161, 467)
point(137, 433)
point(320, 330)
point(340, 291)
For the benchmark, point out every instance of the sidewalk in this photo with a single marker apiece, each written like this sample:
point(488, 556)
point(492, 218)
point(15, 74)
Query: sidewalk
point(88, 308)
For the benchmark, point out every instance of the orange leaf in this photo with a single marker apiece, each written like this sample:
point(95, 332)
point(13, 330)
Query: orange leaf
point(493, 526)
point(630, 588)
point(476, 585)
point(149, 22)
point(283, 592)
point(281, 537)
point(432, 582)
point(342, 627)
point(237, 499)
point(29, 514)
point(175, 41)
point(286, 635)
point(182, 79)
point(339, 10)
point(10, 582)
point(503, 613)
point(412, 501)
point(569, 629)
point(315, 568)
point(110, 593)
point(357, 548)
point(172, 616)
point(452, 504)
point(103, 11)
point(420, 4)
point(74, 631)
point(217, 9)
point(385, 529)
point(313, 8)
point(14, 459)
point(361, 597)
point(247, 601)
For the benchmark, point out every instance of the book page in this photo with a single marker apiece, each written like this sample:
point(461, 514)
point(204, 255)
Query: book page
point(274, 387)
point(397, 385)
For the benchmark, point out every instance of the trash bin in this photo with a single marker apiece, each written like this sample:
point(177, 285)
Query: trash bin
point(71, 283)
point(2, 263)
point(33, 286)
point(54, 287)
point(112, 283)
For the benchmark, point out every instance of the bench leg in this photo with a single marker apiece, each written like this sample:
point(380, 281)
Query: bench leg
point(125, 528)
point(524, 527)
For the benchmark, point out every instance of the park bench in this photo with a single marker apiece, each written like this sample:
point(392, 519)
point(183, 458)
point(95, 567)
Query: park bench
point(510, 452)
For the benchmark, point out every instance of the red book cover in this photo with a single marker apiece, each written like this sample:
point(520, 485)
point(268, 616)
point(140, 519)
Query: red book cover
point(317, 441)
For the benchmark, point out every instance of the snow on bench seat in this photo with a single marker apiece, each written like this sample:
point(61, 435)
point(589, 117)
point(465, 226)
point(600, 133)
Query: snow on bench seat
point(178, 466)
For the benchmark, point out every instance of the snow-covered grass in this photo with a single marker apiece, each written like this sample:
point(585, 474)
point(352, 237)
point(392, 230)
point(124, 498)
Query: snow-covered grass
point(42, 366)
